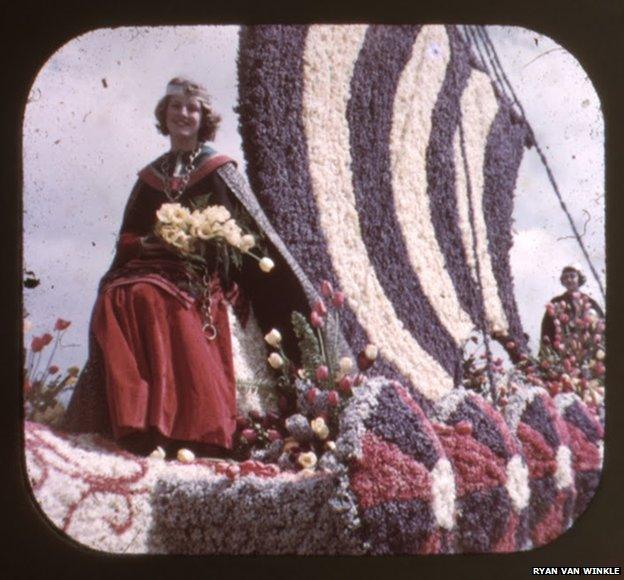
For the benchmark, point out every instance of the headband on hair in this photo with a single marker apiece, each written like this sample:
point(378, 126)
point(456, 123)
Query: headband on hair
point(191, 90)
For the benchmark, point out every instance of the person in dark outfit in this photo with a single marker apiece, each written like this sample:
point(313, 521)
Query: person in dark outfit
point(160, 368)
point(572, 278)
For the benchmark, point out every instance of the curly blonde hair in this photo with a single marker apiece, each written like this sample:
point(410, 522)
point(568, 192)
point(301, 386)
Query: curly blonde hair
point(210, 120)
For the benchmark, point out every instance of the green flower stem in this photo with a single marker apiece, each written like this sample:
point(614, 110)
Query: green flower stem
point(319, 333)
point(56, 343)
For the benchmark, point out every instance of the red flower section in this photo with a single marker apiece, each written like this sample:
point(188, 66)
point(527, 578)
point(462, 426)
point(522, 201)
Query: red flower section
point(477, 467)
point(61, 324)
point(387, 474)
point(540, 456)
point(585, 455)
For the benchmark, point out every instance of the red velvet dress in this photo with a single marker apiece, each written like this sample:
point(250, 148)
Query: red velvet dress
point(161, 371)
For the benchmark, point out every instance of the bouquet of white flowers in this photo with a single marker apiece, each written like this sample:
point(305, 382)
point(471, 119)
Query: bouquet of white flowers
point(190, 232)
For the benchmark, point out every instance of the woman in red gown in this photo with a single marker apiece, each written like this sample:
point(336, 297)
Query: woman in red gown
point(159, 349)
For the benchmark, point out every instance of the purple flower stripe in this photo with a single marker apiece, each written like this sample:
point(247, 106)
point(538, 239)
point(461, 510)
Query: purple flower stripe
point(536, 416)
point(270, 70)
point(503, 154)
point(483, 520)
point(385, 52)
point(543, 495)
point(441, 177)
point(396, 423)
point(586, 485)
point(575, 415)
point(398, 527)
point(484, 430)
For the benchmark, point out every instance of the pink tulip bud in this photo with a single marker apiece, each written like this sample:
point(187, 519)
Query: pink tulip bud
point(511, 345)
point(344, 384)
point(311, 395)
point(599, 369)
point(333, 398)
point(326, 289)
point(319, 306)
point(338, 299)
point(273, 435)
point(316, 320)
point(249, 435)
point(321, 373)
point(53, 370)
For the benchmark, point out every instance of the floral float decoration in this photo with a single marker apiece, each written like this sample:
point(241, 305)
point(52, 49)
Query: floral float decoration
point(573, 362)
point(44, 381)
point(300, 434)
point(199, 233)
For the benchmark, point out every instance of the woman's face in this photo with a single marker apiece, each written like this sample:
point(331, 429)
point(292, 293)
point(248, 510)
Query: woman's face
point(183, 117)
point(570, 279)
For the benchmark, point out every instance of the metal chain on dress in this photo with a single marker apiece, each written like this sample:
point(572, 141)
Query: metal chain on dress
point(210, 330)
point(208, 326)
point(184, 177)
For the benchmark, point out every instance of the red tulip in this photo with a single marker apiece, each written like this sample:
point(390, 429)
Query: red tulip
point(344, 384)
point(322, 373)
point(36, 344)
point(273, 435)
point(320, 308)
point(61, 324)
point(338, 299)
point(333, 398)
point(249, 435)
point(316, 319)
point(599, 369)
point(326, 289)
point(311, 395)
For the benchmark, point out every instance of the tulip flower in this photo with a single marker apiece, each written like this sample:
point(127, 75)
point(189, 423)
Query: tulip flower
point(316, 320)
point(322, 373)
point(333, 398)
point(338, 299)
point(326, 289)
point(185, 456)
point(266, 264)
point(61, 324)
point(276, 361)
point(311, 395)
point(249, 435)
point(273, 338)
point(320, 308)
point(345, 364)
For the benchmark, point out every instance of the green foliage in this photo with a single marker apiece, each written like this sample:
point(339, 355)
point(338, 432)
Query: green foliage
point(308, 344)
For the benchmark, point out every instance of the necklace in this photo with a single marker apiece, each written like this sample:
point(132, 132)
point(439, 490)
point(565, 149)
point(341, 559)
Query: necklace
point(182, 179)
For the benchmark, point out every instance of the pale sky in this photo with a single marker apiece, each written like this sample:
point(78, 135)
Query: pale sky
point(89, 127)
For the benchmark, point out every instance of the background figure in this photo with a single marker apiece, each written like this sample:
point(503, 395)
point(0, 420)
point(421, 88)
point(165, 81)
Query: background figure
point(575, 303)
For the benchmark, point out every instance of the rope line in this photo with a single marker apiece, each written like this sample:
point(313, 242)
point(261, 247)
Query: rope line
point(500, 74)
point(471, 213)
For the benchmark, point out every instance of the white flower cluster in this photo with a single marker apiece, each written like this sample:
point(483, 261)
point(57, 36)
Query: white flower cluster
point(183, 229)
